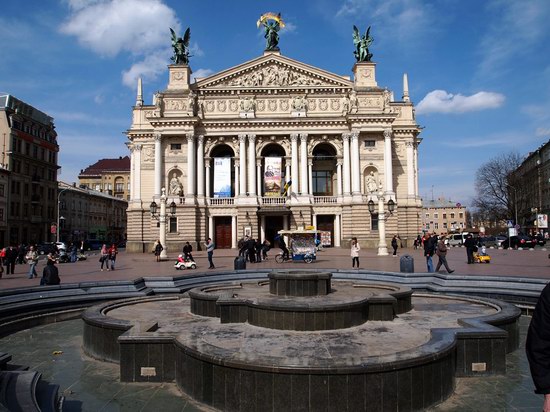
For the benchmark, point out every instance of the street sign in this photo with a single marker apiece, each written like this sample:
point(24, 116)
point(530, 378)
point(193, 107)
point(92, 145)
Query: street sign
point(510, 223)
point(53, 229)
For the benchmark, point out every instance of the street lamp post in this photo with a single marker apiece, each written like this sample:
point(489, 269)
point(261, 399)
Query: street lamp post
point(162, 220)
point(57, 229)
point(515, 202)
point(382, 246)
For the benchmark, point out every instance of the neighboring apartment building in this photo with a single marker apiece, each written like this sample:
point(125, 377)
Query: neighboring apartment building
point(86, 214)
point(29, 154)
point(530, 182)
point(111, 176)
point(4, 185)
point(443, 216)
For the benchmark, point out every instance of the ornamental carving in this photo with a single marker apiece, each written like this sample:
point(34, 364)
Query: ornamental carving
point(209, 106)
point(233, 105)
point(148, 154)
point(222, 105)
point(172, 104)
point(334, 105)
point(260, 105)
point(323, 104)
point(284, 105)
point(272, 105)
point(312, 104)
point(247, 104)
point(274, 75)
point(298, 103)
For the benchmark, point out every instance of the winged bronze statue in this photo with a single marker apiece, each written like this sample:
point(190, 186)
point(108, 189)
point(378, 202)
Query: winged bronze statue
point(181, 47)
point(362, 44)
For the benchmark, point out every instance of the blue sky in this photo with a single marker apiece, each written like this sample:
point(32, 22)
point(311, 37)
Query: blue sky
point(479, 71)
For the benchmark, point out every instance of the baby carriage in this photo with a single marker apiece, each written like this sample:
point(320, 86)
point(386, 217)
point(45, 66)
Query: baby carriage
point(183, 263)
point(481, 256)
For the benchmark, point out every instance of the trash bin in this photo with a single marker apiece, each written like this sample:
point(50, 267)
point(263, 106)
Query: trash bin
point(406, 264)
point(240, 263)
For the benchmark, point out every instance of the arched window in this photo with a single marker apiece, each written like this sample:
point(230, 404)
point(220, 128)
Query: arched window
point(323, 170)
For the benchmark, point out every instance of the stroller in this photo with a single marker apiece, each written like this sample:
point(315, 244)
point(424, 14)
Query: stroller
point(184, 263)
point(481, 256)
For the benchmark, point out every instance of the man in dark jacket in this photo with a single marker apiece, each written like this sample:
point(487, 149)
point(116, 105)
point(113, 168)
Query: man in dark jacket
point(10, 259)
point(470, 245)
point(187, 249)
point(50, 274)
point(537, 347)
point(429, 249)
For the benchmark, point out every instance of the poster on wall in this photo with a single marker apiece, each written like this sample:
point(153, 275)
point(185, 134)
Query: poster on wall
point(272, 176)
point(542, 221)
point(222, 177)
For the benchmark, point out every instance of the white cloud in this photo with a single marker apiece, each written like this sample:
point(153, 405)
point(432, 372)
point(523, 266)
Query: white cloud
point(149, 68)
point(541, 131)
point(109, 27)
point(439, 101)
point(200, 74)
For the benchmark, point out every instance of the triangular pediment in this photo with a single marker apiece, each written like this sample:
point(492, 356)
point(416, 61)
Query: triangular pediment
point(273, 71)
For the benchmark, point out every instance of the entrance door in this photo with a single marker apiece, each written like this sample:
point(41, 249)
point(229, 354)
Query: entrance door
point(272, 225)
point(222, 225)
point(325, 223)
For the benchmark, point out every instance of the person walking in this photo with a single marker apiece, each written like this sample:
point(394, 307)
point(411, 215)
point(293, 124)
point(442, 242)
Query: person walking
point(9, 259)
point(210, 252)
point(73, 252)
point(32, 260)
point(50, 273)
point(355, 248)
point(104, 259)
point(441, 252)
point(537, 347)
point(470, 245)
point(429, 246)
point(113, 251)
point(158, 249)
point(394, 244)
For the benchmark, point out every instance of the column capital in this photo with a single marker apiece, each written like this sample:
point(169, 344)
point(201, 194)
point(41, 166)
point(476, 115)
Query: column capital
point(157, 136)
point(354, 134)
point(387, 133)
point(251, 138)
point(242, 138)
point(409, 144)
point(294, 137)
point(303, 137)
point(237, 163)
point(138, 147)
point(200, 139)
point(346, 136)
point(338, 163)
point(259, 162)
point(190, 137)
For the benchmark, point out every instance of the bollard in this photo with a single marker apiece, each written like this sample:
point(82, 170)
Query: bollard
point(406, 264)
point(240, 263)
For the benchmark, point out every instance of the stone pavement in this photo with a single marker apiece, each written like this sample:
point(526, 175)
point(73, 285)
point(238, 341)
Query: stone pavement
point(129, 266)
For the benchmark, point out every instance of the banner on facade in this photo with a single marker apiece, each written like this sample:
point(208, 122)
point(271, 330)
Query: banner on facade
point(272, 176)
point(542, 221)
point(222, 177)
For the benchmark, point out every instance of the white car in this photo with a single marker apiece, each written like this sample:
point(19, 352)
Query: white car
point(61, 245)
point(187, 264)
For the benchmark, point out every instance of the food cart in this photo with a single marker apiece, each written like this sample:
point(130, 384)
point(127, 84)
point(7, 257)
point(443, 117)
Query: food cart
point(301, 244)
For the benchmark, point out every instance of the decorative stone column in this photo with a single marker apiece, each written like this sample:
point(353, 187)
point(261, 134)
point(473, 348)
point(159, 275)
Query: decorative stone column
point(242, 161)
point(346, 164)
point(339, 178)
point(233, 232)
point(211, 227)
point(207, 171)
point(310, 175)
point(410, 169)
point(382, 246)
point(355, 165)
point(137, 172)
point(200, 166)
point(287, 168)
point(294, 160)
point(314, 221)
point(237, 177)
point(337, 231)
point(190, 165)
point(132, 171)
point(158, 163)
point(416, 168)
point(259, 179)
point(252, 164)
point(388, 165)
point(262, 228)
point(303, 164)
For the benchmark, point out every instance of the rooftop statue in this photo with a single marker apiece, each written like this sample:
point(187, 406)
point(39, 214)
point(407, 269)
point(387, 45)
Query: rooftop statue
point(271, 29)
point(362, 44)
point(181, 47)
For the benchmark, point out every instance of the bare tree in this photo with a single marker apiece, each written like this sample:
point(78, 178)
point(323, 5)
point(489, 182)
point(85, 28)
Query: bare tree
point(497, 194)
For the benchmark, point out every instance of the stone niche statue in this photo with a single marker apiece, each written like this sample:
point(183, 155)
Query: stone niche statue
point(353, 103)
point(176, 187)
point(181, 47)
point(191, 102)
point(370, 182)
point(362, 44)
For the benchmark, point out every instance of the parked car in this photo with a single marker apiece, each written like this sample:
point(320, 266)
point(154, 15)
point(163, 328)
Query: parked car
point(539, 239)
point(95, 244)
point(61, 245)
point(46, 247)
point(489, 241)
point(500, 239)
point(456, 239)
point(522, 241)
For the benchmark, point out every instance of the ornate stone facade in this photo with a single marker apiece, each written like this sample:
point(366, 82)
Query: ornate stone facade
point(329, 134)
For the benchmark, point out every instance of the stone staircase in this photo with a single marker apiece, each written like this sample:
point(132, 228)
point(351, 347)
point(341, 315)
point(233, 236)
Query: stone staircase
point(22, 390)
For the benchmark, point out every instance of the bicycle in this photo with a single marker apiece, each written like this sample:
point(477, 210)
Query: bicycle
point(280, 258)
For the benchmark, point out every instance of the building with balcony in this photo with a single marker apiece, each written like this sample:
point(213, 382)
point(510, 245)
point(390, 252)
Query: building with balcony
point(443, 216)
point(529, 190)
point(273, 144)
point(28, 141)
point(86, 214)
point(111, 176)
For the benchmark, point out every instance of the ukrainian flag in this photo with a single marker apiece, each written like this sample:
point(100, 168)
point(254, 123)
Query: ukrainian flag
point(286, 187)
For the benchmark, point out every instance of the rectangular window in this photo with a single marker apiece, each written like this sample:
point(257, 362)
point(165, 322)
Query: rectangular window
point(2, 190)
point(322, 183)
point(452, 215)
point(427, 226)
point(461, 215)
point(175, 146)
point(119, 187)
point(97, 186)
point(374, 221)
point(445, 225)
point(370, 143)
point(436, 215)
point(1, 214)
point(436, 225)
point(444, 215)
point(427, 215)
point(173, 224)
